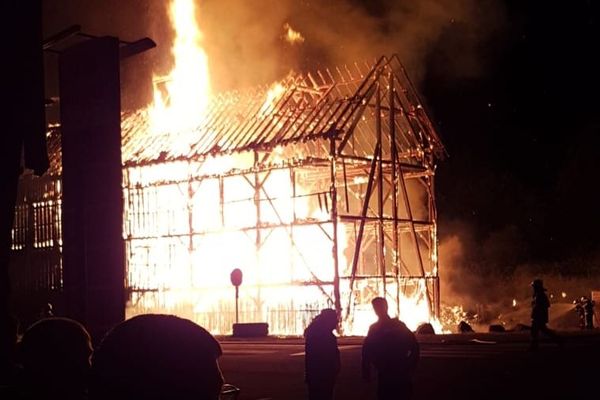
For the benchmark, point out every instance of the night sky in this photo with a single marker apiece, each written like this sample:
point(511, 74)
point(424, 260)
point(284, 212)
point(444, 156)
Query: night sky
point(512, 86)
point(524, 138)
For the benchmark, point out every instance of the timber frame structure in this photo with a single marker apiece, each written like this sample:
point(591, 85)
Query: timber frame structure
point(329, 185)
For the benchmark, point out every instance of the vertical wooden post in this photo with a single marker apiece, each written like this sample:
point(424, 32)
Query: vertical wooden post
point(94, 249)
point(394, 155)
point(334, 221)
point(380, 199)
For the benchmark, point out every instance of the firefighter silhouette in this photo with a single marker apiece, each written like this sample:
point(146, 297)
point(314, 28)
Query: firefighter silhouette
point(539, 314)
point(588, 309)
point(580, 311)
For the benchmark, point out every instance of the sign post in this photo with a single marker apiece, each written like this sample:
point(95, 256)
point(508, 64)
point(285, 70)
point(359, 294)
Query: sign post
point(236, 280)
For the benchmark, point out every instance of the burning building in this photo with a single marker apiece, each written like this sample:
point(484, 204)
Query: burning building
point(320, 188)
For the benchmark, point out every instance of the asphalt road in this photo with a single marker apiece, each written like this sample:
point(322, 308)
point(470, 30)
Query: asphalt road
point(475, 366)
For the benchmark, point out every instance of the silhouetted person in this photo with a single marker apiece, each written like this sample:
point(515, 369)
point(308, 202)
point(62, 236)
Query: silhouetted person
point(55, 354)
point(464, 327)
point(539, 314)
point(580, 311)
point(156, 357)
point(394, 352)
point(322, 361)
point(588, 310)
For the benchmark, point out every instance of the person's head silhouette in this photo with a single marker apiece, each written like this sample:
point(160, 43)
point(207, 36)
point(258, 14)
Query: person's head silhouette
point(55, 353)
point(538, 286)
point(156, 357)
point(329, 318)
point(380, 306)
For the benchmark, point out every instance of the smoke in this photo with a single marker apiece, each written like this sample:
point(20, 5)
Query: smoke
point(460, 283)
point(127, 20)
point(247, 45)
point(484, 275)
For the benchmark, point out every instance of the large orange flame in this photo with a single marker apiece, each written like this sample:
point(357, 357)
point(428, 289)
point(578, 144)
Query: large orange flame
point(181, 104)
point(196, 279)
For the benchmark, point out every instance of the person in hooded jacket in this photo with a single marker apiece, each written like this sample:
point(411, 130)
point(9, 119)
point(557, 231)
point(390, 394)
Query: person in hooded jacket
point(322, 360)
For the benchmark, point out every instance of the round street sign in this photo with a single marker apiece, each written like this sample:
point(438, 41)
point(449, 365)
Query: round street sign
point(236, 277)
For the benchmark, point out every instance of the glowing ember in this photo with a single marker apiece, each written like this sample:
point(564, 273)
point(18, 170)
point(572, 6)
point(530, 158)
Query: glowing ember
point(292, 36)
point(273, 96)
point(450, 316)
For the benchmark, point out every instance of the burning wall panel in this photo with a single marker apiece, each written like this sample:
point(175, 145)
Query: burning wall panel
point(362, 137)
